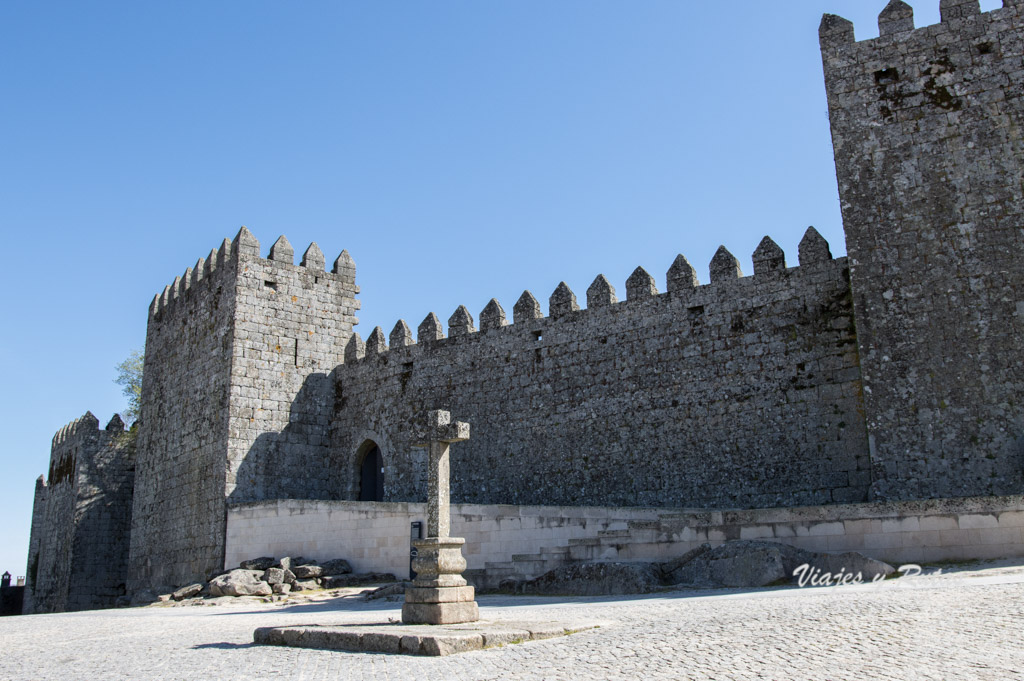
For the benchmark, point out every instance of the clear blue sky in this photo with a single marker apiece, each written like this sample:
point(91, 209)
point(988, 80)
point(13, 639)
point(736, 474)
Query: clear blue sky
point(459, 151)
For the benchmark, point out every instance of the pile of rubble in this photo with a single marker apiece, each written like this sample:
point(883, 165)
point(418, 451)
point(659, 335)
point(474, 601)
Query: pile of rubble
point(268, 576)
point(742, 563)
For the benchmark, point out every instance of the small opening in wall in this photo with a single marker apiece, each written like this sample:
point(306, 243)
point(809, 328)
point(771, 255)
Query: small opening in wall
point(272, 285)
point(316, 280)
point(984, 48)
point(296, 352)
point(538, 335)
point(887, 76)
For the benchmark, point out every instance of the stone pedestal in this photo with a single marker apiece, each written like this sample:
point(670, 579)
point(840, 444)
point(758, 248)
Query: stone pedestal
point(439, 594)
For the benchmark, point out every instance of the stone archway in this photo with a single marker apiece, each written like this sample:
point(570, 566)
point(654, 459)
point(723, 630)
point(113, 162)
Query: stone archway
point(371, 472)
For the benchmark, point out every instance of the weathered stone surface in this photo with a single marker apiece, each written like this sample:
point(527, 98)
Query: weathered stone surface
point(593, 579)
point(78, 557)
point(305, 585)
point(236, 368)
point(448, 612)
point(307, 571)
point(724, 266)
point(768, 257)
point(258, 563)
point(430, 329)
point(417, 640)
point(274, 576)
point(562, 301)
point(601, 293)
point(337, 566)
point(281, 588)
point(287, 563)
point(390, 592)
point(751, 563)
point(492, 316)
point(681, 276)
point(239, 583)
point(640, 285)
point(791, 395)
point(460, 323)
point(526, 308)
point(852, 563)
point(450, 594)
point(190, 591)
point(931, 212)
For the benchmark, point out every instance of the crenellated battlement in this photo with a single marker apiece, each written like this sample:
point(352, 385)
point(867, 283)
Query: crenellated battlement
point(83, 425)
point(896, 22)
point(211, 271)
point(727, 282)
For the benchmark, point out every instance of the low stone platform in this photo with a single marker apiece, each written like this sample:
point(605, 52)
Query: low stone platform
point(405, 639)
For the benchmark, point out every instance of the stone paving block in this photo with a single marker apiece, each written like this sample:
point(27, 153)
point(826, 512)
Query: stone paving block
point(427, 640)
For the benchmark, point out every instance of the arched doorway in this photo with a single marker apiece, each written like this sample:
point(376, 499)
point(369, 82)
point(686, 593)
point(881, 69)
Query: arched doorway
point(371, 474)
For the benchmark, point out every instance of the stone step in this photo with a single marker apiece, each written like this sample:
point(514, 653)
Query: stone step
point(608, 534)
point(584, 541)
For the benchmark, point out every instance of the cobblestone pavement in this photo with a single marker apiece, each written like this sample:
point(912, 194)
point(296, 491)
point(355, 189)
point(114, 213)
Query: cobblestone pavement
point(964, 625)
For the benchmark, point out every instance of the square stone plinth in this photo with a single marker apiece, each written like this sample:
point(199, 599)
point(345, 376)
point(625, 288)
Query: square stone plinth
point(440, 613)
point(417, 639)
point(445, 594)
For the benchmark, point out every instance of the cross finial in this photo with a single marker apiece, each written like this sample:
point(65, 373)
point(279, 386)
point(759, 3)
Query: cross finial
point(440, 428)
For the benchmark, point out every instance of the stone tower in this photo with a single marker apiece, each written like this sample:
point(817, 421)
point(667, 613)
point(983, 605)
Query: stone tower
point(78, 547)
point(927, 130)
point(236, 398)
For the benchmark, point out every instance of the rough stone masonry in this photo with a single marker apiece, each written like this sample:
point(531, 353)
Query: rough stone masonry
point(893, 373)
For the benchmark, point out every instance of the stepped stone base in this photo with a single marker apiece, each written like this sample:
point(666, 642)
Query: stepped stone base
point(416, 640)
point(440, 613)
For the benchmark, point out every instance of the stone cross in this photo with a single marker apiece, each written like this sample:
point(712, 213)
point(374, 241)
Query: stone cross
point(439, 594)
point(439, 433)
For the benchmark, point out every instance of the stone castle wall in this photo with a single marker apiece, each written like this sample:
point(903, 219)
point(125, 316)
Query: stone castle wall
point(78, 548)
point(178, 509)
point(235, 398)
point(926, 125)
point(740, 393)
point(891, 374)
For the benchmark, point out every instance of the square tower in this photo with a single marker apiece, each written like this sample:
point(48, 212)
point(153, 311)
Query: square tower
point(927, 131)
point(236, 399)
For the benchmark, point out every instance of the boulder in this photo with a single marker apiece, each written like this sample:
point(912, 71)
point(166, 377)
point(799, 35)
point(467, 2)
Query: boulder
point(853, 563)
point(305, 585)
point(240, 583)
point(190, 591)
point(282, 588)
point(289, 577)
point(289, 563)
point(258, 563)
point(753, 563)
point(273, 576)
point(337, 566)
point(391, 592)
point(307, 571)
point(592, 579)
point(757, 567)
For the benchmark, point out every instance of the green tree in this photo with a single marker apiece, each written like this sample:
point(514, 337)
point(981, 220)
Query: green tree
point(129, 377)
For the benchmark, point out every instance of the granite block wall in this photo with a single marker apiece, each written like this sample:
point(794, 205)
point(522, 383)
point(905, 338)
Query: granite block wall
point(178, 509)
point(78, 549)
point(291, 323)
point(926, 127)
point(740, 393)
point(235, 398)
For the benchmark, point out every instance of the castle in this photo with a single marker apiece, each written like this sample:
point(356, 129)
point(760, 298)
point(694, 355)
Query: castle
point(889, 375)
